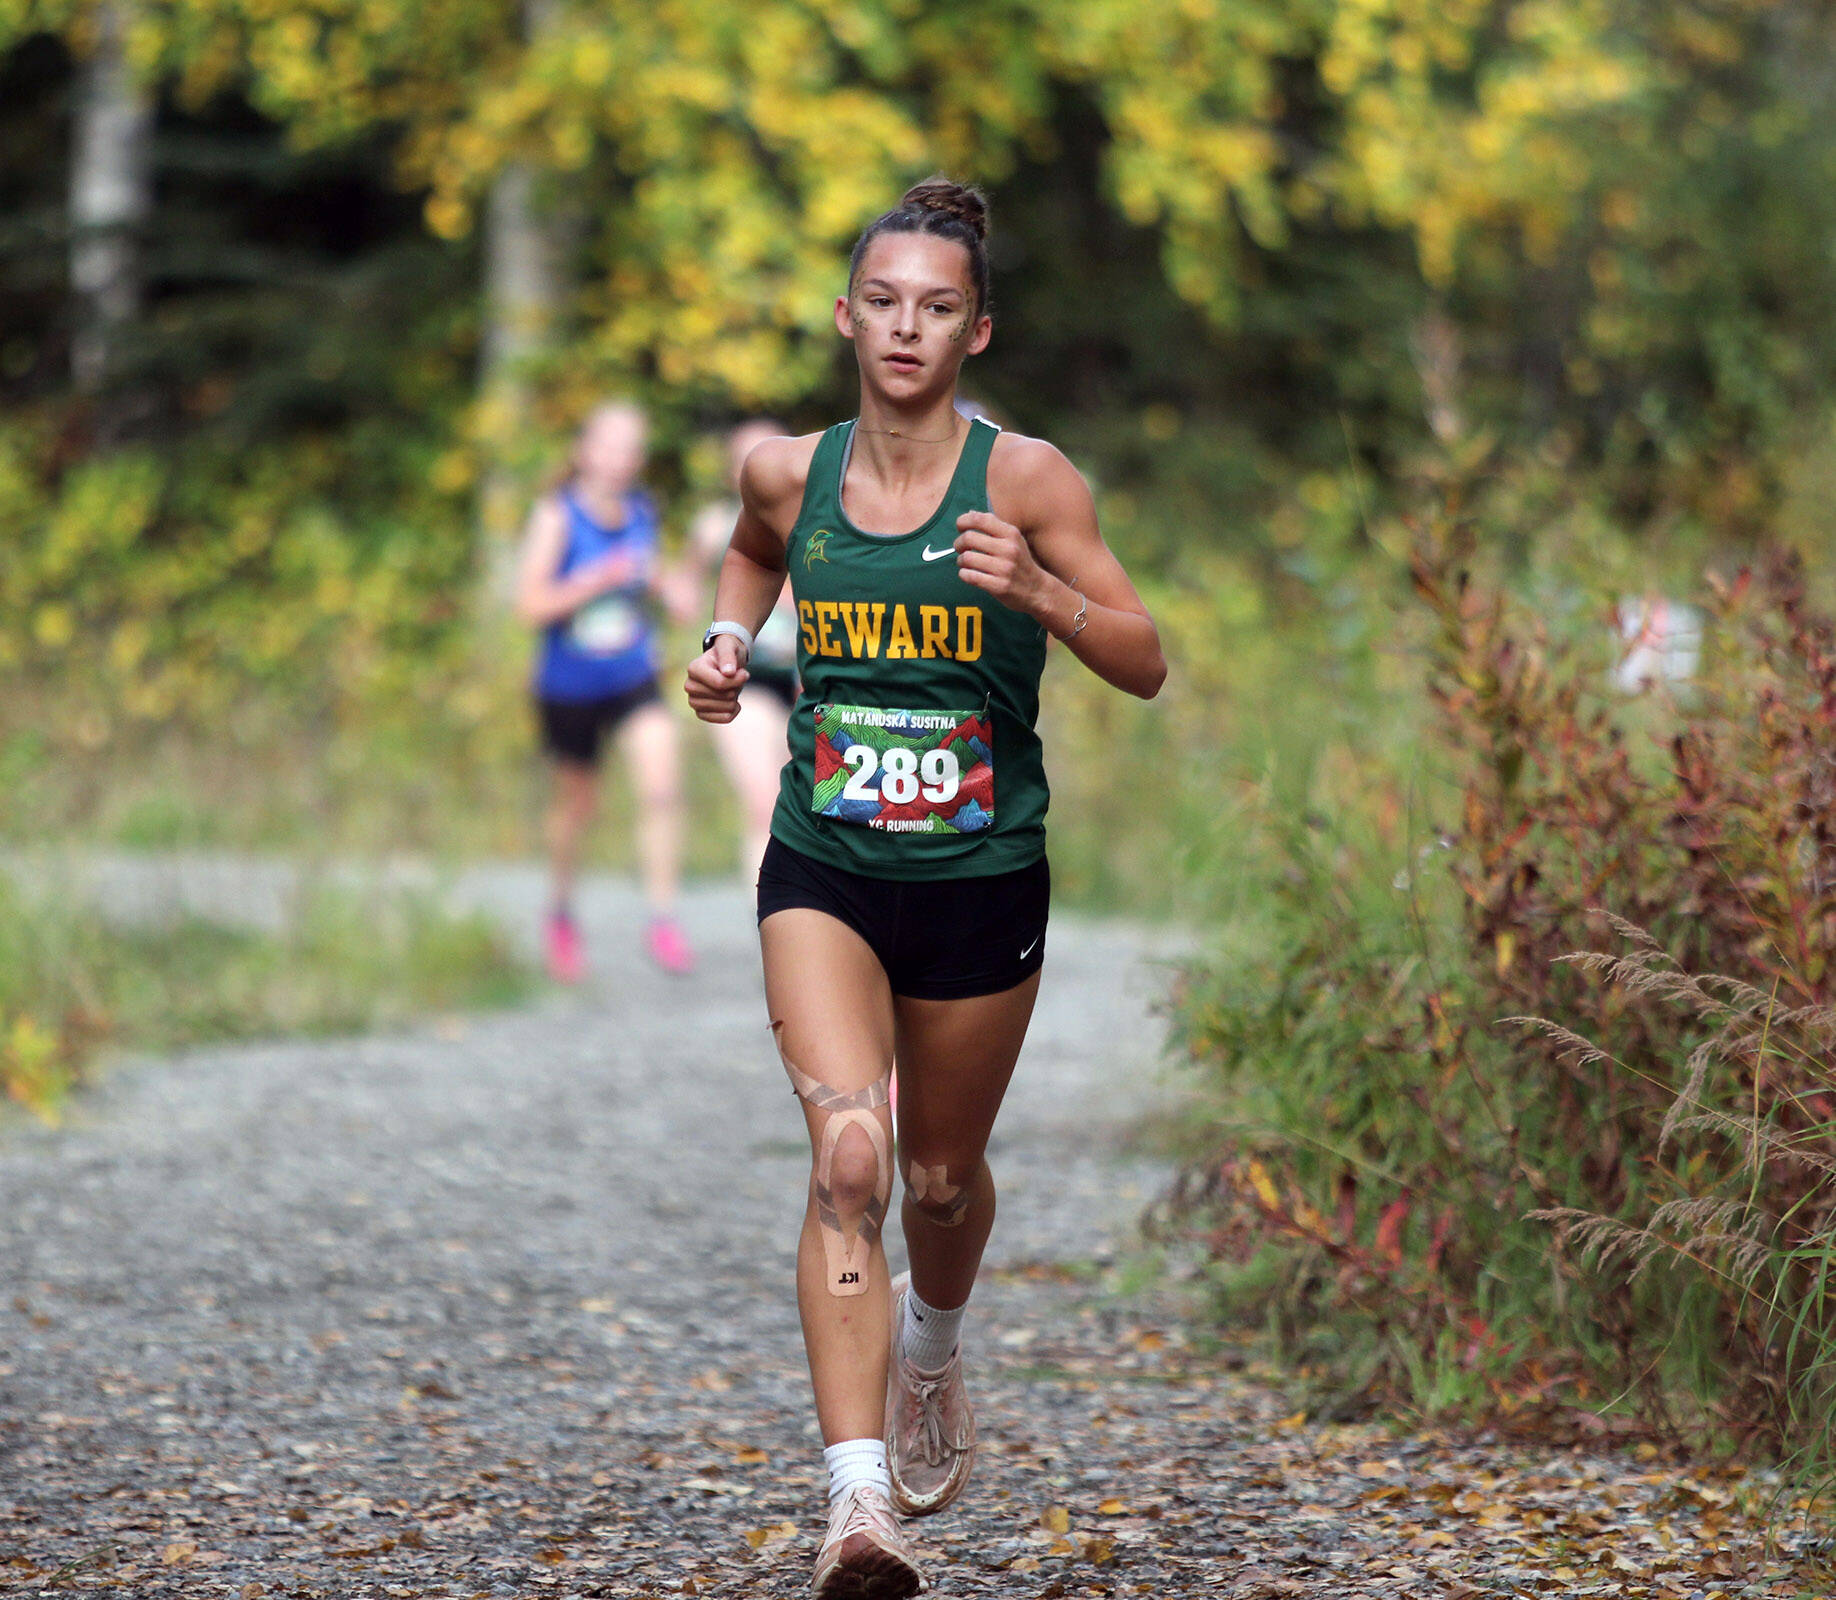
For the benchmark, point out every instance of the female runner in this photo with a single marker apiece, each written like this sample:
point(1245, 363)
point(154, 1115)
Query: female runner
point(902, 899)
point(588, 579)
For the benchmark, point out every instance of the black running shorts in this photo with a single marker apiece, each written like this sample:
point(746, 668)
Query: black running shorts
point(575, 730)
point(781, 681)
point(942, 939)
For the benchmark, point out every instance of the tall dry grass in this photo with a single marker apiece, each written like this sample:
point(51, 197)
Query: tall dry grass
point(1624, 1204)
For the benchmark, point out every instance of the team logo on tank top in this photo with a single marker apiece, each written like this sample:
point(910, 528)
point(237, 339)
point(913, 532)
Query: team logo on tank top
point(815, 548)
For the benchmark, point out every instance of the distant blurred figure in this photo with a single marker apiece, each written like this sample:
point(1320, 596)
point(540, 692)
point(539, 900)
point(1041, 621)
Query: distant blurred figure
point(1661, 639)
point(588, 578)
point(752, 746)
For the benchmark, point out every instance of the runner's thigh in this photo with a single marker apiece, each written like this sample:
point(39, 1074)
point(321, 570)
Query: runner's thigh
point(829, 992)
point(649, 741)
point(752, 745)
point(955, 1060)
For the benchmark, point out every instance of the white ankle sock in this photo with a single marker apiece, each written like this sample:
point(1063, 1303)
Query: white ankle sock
point(857, 1462)
point(930, 1334)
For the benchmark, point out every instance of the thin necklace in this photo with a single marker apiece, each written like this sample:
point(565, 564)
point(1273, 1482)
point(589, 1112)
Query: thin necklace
point(895, 433)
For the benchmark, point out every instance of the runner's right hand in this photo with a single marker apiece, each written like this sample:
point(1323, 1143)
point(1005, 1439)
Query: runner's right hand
point(607, 573)
point(715, 678)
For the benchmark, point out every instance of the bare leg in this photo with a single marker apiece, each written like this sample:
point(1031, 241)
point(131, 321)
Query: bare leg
point(955, 1060)
point(832, 1016)
point(651, 753)
point(576, 792)
point(751, 748)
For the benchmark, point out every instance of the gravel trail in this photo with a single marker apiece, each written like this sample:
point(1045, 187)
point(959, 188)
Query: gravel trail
point(267, 1307)
point(503, 1307)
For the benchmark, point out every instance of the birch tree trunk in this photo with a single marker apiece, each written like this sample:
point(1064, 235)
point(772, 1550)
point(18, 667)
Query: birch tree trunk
point(111, 197)
point(522, 294)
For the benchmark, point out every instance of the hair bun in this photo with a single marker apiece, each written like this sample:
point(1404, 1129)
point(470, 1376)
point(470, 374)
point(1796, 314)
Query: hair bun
point(952, 199)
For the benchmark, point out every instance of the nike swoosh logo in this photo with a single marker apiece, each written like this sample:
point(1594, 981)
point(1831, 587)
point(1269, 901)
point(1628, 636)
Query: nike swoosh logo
point(1029, 949)
point(938, 555)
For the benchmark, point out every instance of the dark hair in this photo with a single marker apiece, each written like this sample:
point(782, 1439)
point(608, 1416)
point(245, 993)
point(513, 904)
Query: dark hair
point(943, 207)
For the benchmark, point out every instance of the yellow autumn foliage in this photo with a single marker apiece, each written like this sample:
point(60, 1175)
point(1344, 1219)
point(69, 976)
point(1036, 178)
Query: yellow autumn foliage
point(752, 138)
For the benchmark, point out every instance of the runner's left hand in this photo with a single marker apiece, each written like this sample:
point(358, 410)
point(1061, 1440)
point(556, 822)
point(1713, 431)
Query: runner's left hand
point(994, 555)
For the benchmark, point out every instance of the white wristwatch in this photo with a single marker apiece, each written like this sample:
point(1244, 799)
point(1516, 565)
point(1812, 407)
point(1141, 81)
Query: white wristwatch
point(733, 630)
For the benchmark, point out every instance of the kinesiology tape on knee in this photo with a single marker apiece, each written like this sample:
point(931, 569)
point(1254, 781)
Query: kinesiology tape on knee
point(932, 1191)
point(845, 1253)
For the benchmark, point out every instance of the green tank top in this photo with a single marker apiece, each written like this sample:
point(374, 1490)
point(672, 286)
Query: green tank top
point(912, 745)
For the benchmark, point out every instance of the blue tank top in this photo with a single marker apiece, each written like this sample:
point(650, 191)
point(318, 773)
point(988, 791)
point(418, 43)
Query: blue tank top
point(610, 644)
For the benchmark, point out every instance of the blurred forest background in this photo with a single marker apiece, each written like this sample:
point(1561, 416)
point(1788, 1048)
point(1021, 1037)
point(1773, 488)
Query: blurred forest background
point(1413, 347)
point(298, 302)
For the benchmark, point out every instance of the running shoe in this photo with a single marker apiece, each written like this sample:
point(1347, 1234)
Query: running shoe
point(668, 946)
point(865, 1554)
point(930, 1430)
point(562, 943)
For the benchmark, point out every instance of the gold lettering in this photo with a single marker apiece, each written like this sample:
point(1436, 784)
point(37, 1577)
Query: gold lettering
point(825, 620)
point(968, 633)
point(900, 647)
point(863, 624)
point(934, 626)
point(806, 614)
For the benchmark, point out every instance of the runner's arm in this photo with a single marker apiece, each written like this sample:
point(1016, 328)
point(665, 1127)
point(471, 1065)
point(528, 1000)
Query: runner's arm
point(542, 597)
point(700, 561)
point(674, 582)
point(1032, 562)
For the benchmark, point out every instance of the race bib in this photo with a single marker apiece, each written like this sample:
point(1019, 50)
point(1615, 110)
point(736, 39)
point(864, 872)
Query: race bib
point(607, 626)
point(905, 771)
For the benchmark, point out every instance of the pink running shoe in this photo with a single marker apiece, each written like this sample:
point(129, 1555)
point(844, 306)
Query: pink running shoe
point(565, 961)
point(930, 1427)
point(864, 1555)
point(668, 946)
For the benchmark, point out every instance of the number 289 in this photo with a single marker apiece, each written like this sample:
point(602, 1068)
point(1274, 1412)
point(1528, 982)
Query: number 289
point(903, 776)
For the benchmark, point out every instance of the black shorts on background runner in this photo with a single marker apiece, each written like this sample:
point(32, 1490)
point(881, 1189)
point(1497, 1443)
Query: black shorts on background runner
point(781, 681)
point(575, 730)
point(938, 939)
